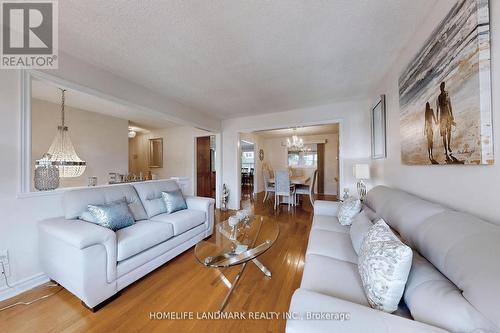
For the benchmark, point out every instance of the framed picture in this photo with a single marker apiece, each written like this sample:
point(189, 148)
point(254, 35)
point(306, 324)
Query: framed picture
point(156, 153)
point(445, 92)
point(378, 129)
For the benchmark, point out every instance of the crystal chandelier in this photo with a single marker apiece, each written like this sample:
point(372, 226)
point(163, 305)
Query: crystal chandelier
point(62, 153)
point(296, 143)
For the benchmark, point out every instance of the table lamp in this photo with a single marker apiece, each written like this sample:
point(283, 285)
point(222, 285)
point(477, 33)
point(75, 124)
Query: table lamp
point(361, 173)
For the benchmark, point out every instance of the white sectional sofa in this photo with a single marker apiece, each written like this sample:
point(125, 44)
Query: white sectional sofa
point(453, 285)
point(95, 263)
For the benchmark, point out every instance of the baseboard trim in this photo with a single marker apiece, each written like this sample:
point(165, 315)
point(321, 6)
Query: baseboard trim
point(23, 285)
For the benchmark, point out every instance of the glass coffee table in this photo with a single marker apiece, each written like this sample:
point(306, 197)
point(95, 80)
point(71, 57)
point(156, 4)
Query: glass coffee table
point(238, 246)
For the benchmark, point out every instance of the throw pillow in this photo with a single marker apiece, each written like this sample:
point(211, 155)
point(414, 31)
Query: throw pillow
point(88, 217)
point(384, 264)
point(348, 209)
point(174, 201)
point(361, 224)
point(114, 215)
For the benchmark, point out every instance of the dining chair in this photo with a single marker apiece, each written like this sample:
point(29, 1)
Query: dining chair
point(268, 187)
point(266, 166)
point(308, 189)
point(283, 188)
point(251, 177)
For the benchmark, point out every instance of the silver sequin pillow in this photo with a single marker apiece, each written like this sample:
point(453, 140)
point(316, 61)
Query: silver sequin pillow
point(348, 209)
point(174, 201)
point(114, 215)
point(384, 264)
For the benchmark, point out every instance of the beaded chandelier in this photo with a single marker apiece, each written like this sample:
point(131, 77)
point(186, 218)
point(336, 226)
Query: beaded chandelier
point(62, 153)
point(295, 144)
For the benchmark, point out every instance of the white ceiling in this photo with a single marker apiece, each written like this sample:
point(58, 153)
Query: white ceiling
point(300, 131)
point(233, 57)
point(46, 91)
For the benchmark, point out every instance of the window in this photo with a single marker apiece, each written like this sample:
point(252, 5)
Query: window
point(307, 158)
point(247, 159)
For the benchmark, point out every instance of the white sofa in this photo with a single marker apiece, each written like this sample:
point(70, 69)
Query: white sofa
point(95, 263)
point(454, 283)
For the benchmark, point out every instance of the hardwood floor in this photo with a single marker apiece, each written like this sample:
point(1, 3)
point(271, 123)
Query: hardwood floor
point(182, 285)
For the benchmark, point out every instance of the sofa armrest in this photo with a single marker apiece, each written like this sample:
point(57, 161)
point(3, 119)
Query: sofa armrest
point(79, 234)
point(329, 208)
point(59, 237)
point(352, 317)
point(206, 205)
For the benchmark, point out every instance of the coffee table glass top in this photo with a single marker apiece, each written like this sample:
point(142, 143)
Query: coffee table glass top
point(232, 246)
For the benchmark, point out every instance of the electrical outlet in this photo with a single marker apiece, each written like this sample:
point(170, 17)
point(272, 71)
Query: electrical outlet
point(4, 259)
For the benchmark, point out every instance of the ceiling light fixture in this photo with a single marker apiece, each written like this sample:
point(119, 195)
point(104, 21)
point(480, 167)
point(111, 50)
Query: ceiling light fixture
point(61, 153)
point(296, 143)
point(131, 133)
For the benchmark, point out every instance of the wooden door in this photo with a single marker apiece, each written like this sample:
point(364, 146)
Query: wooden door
point(321, 168)
point(204, 174)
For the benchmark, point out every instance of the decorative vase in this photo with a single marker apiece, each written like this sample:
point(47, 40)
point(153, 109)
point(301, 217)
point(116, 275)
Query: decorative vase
point(225, 197)
point(233, 222)
point(92, 181)
point(242, 215)
point(46, 177)
point(346, 194)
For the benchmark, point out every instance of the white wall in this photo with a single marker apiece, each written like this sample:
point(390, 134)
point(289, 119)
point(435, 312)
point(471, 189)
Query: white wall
point(277, 157)
point(18, 231)
point(468, 188)
point(99, 140)
point(179, 151)
point(354, 137)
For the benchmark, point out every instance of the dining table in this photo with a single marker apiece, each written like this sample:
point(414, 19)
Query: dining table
point(295, 180)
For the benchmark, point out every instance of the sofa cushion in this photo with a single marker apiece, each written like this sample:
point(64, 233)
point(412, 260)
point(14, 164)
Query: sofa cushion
point(182, 220)
point(141, 236)
point(150, 194)
point(333, 277)
point(75, 202)
point(370, 213)
point(361, 319)
point(378, 197)
point(361, 224)
point(402, 211)
point(330, 223)
point(331, 244)
point(465, 249)
point(425, 286)
point(384, 264)
point(169, 248)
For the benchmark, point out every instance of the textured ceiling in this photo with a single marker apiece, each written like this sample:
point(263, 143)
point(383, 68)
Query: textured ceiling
point(232, 57)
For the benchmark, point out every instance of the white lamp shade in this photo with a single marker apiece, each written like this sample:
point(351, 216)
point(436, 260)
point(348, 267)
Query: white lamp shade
point(362, 171)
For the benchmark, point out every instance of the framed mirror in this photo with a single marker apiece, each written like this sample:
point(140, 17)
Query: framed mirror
point(156, 153)
point(378, 129)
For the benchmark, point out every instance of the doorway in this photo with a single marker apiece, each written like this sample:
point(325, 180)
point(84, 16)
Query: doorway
point(205, 166)
point(247, 167)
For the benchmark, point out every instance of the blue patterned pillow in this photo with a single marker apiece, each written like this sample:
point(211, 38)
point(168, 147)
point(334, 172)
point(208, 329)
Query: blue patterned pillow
point(174, 201)
point(114, 215)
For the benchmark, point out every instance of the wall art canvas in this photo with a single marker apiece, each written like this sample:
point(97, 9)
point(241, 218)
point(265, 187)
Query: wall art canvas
point(445, 92)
